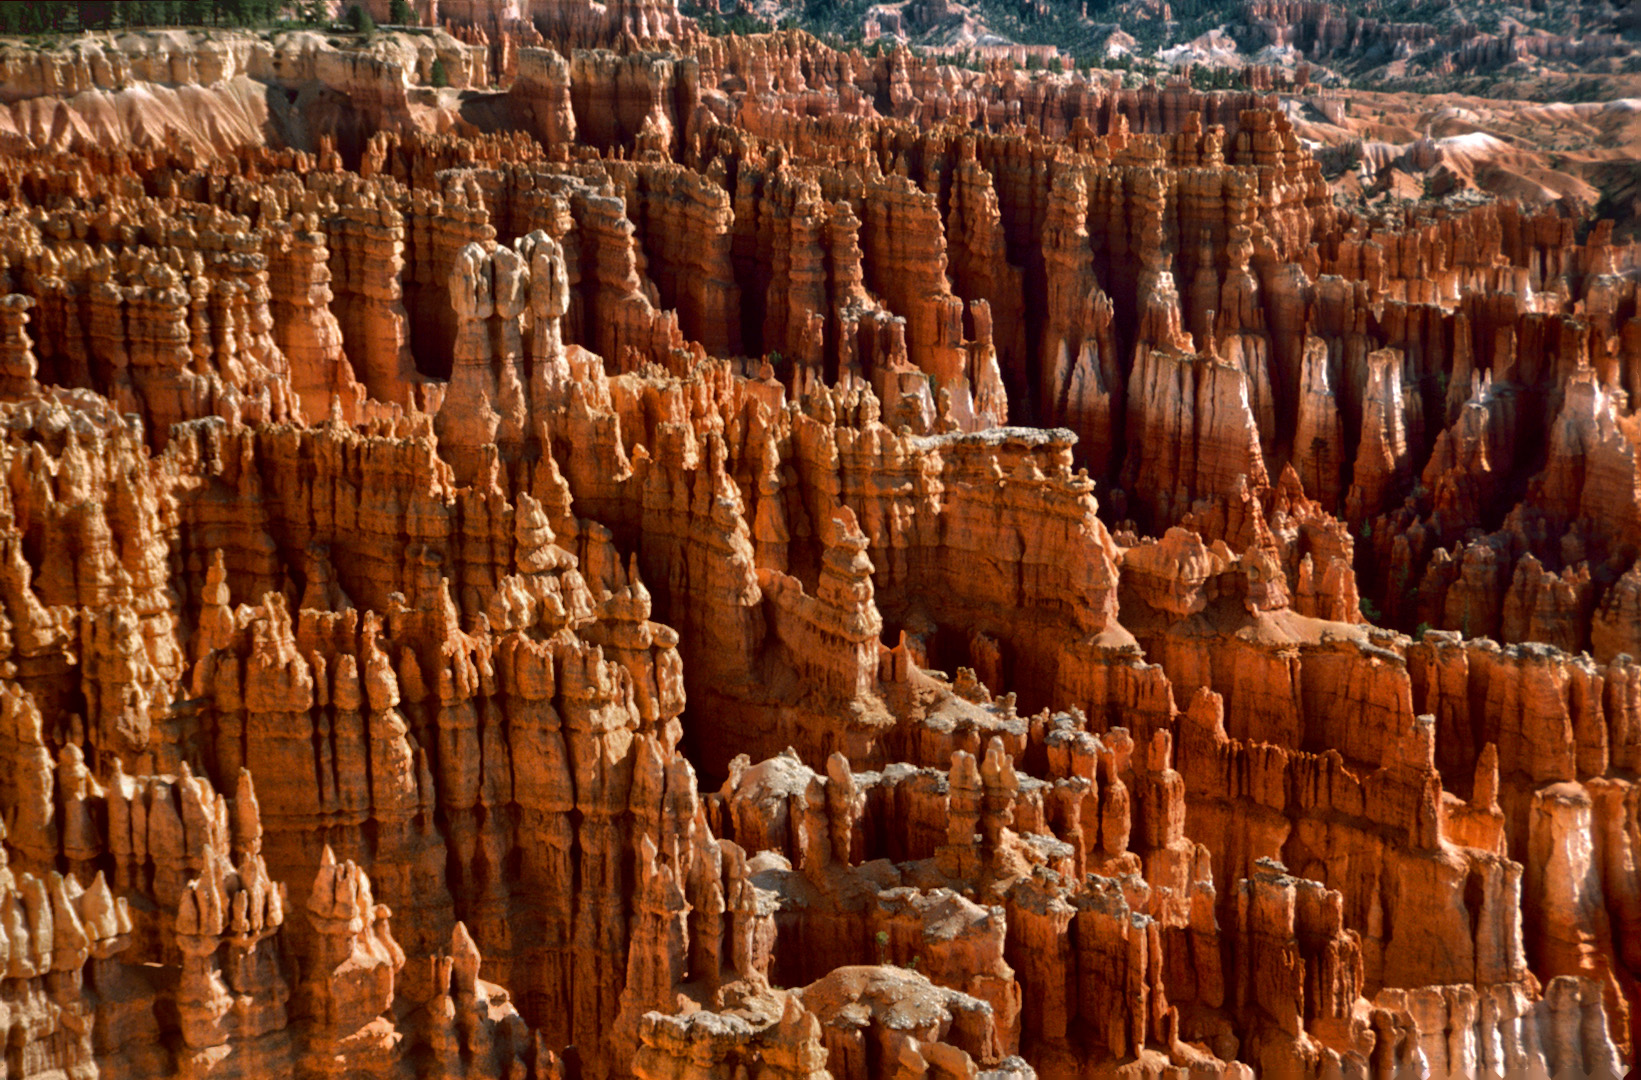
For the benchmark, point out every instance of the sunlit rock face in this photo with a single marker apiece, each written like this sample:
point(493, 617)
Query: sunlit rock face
point(718, 556)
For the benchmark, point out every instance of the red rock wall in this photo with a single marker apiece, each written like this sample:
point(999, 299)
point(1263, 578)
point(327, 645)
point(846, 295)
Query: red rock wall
point(566, 600)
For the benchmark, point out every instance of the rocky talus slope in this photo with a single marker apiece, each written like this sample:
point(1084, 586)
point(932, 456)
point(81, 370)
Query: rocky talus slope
point(721, 558)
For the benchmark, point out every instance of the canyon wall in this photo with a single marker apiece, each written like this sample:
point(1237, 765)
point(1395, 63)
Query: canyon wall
point(750, 558)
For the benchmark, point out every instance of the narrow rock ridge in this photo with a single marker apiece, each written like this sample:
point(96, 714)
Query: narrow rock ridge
point(744, 558)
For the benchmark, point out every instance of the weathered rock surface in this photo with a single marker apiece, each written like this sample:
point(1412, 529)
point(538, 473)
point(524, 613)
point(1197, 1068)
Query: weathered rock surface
point(719, 555)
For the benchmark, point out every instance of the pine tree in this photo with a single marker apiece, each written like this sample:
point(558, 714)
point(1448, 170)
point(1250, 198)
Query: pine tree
point(45, 18)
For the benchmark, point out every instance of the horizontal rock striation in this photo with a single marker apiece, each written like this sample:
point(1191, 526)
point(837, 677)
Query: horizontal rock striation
point(722, 555)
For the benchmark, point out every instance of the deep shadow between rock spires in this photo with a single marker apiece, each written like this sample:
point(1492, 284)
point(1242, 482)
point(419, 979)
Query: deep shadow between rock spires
point(410, 609)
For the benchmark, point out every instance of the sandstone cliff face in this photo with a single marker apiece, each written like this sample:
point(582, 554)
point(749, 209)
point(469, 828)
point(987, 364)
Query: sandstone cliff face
point(742, 557)
point(1368, 36)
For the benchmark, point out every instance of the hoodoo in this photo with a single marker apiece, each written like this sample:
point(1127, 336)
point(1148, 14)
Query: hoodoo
point(552, 540)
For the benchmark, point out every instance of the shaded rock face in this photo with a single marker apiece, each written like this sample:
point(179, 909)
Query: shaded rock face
point(1365, 38)
point(757, 560)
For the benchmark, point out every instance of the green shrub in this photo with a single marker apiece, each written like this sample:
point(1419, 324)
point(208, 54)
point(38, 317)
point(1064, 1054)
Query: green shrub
point(438, 76)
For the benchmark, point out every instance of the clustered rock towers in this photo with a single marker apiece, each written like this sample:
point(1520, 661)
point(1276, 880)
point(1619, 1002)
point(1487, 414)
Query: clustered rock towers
point(432, 650)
